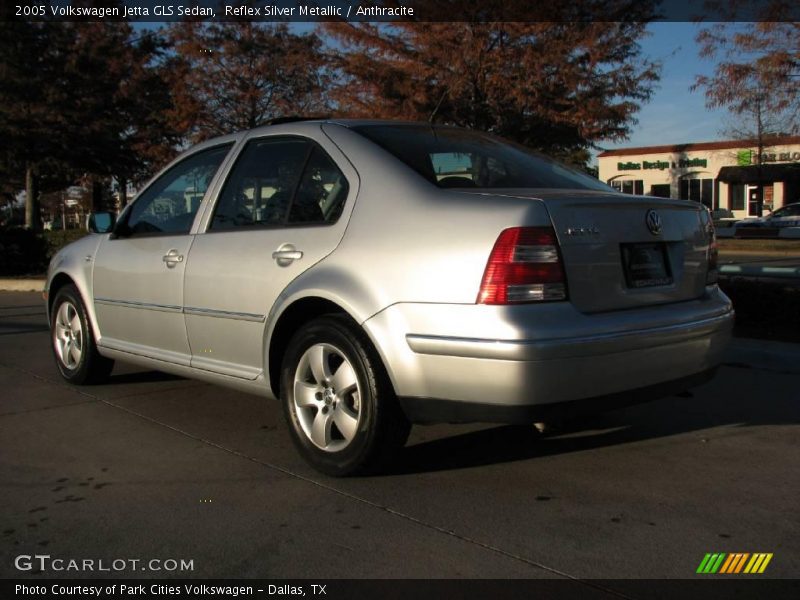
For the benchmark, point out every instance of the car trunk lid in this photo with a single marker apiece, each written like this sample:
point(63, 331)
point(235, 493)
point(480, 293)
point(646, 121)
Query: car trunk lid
point(623, 252)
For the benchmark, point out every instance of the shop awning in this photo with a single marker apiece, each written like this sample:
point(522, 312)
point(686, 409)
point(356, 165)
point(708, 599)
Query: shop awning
point(769, 173)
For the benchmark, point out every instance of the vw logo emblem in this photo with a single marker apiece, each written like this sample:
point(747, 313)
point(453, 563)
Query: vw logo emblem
point(653, 221)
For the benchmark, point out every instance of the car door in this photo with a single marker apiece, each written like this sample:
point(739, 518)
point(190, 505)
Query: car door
point(283, 208)
point(138, 271)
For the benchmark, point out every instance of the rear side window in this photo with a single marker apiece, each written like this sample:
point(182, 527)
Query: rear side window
point(322, 192)
point(280, 181)
point(460, 158)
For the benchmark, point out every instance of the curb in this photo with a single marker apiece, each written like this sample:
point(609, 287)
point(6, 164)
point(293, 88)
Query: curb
point(21, 285)
point(756, 271)
point(723, 252)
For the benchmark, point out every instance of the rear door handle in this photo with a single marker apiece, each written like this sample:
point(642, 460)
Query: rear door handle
point(172, 258)
point(286, 254)
point(289, 254)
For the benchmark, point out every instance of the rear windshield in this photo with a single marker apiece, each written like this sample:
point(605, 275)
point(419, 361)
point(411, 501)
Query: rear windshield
point(459, 158)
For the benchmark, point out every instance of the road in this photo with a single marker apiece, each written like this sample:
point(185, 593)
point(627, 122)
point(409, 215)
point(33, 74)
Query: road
point(783, 269)
point(149, 466)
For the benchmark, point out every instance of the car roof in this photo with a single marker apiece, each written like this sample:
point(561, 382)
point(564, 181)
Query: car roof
point(302, 123)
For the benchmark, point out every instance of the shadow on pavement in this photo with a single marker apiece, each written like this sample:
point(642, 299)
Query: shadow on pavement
point(141, 377)
point(661, 418)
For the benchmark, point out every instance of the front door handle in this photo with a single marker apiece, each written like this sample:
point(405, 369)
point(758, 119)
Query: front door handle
point(286, 254)
point(172, 258)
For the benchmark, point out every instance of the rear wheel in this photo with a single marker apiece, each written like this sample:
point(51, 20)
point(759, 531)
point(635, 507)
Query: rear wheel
point(73, 342)
point(338, 401)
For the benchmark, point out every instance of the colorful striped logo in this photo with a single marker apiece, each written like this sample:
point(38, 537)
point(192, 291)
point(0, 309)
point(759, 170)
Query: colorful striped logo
point(737, 562)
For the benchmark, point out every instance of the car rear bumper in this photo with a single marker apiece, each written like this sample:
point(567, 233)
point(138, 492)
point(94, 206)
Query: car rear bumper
point(435, 410)
point(544, 355)
point(592, 345)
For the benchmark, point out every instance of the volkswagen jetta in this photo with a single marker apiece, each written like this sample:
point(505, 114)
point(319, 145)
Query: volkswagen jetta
point(377, 274)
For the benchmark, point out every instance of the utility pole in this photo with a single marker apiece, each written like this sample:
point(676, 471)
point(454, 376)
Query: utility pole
point(759, 160)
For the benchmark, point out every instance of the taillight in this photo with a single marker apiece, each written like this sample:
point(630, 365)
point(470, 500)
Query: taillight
point(712, 273)
point(524, 266)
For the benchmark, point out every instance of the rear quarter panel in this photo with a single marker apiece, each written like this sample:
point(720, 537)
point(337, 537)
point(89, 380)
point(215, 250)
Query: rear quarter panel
point(408, 241)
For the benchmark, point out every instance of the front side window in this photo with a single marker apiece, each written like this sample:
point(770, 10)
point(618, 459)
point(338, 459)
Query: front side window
point(170, 204)
point(787, 211)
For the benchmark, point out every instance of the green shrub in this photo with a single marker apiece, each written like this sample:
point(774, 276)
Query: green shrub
point(24, 252)
point(55, 240)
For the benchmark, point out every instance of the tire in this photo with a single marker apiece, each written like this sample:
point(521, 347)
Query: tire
point(73, 342)
point(338, 401)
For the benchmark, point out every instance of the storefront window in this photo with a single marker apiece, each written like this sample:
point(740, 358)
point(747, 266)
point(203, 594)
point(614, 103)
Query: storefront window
point(661, 190)
point(769, 197)
point(736, 196)
point(706, 194)
point(699, 190)
point(629, 186)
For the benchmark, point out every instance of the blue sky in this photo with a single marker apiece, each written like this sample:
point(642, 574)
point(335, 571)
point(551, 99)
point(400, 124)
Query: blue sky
point(675, 114)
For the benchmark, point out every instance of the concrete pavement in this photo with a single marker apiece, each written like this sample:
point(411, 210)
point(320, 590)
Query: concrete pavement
point(152, 466)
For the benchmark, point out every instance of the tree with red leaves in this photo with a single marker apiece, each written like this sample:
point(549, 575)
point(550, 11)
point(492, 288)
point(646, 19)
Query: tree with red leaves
point(238, 75)
point(759, 62)
point(559, 87)
point(80, 102)
point(758, 74)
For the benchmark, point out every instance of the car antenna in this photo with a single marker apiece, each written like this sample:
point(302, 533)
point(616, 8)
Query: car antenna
point(436, 108)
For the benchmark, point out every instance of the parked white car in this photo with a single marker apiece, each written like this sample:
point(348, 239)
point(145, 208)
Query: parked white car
point(786, 216)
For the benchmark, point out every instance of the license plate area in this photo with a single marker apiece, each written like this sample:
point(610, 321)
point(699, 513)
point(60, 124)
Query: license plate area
point(646, 265)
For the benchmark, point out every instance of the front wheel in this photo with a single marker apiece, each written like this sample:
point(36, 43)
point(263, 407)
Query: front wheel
point(72, 341)
point(338, 401)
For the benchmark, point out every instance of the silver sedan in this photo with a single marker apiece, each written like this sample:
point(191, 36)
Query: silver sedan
point(371, 275)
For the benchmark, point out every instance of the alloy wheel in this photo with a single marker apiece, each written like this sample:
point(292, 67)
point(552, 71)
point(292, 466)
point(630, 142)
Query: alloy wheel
point(68, 336)
point(327, 397)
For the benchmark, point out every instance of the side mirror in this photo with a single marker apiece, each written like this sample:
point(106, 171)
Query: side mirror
point(102, 222)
